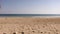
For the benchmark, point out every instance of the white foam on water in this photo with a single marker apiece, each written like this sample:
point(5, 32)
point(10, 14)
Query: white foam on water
point(45, 16)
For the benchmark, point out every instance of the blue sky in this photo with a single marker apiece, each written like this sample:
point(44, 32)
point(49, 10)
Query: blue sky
point(30, 6)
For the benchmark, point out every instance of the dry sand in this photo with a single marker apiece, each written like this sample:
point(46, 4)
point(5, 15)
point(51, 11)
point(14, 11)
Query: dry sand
point(29, 25)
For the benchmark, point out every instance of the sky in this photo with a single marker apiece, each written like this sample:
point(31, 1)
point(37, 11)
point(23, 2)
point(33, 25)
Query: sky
point(30, 7)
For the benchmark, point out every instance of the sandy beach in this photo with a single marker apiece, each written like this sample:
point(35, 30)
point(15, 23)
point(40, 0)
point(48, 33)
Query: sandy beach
point(29, 25)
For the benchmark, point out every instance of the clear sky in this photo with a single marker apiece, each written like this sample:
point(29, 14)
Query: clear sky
point(30, 6)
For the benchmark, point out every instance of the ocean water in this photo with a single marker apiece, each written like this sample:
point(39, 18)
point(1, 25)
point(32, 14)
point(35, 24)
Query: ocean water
point(29, 14)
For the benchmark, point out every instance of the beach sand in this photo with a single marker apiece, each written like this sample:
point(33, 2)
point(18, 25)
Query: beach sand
point(29, 25)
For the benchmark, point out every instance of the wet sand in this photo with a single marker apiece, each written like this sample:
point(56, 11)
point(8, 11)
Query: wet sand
point(29, 25)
